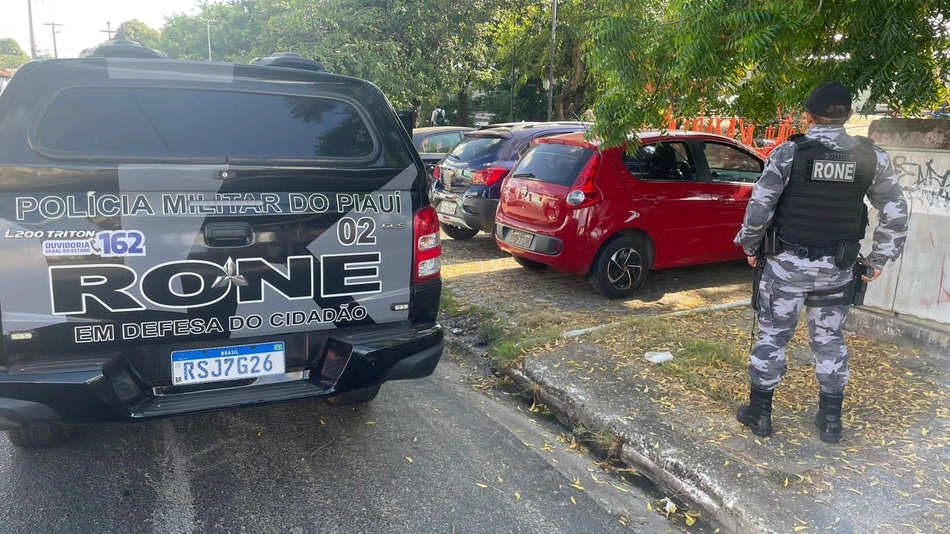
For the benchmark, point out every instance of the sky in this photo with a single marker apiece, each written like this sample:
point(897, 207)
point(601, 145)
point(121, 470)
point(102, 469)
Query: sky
point(81, 20)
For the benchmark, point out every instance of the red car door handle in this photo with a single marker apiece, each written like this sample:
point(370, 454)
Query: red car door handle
point(727, 200)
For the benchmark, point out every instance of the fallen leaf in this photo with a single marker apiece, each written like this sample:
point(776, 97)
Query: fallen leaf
point(800, 528)
point(786, 482)
point(517, 496)
point(408, 458)
point(322, 422)
point(480, 485)
point(649, 507)
point(370, 422)
point(689, 520)
point(572, 500)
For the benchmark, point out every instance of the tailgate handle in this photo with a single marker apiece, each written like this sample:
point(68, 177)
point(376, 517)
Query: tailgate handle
point(230, 234)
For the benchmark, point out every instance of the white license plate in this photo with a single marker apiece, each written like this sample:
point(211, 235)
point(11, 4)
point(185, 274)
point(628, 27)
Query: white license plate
point(198, 366)
point(520, 239)
point(448, 207)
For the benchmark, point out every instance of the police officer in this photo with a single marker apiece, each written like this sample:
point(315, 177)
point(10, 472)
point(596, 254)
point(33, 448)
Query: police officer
point(812, 193)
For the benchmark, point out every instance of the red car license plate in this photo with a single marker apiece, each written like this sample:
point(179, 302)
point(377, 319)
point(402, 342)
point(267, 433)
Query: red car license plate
point(520, 239)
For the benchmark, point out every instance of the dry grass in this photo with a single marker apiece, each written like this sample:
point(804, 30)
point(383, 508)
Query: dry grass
point(897, 417)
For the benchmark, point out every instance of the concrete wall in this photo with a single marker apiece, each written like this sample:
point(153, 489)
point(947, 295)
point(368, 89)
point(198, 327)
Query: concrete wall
point(918, 285)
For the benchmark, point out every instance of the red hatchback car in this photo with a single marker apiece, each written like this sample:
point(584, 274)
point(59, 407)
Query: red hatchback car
point(582, 210)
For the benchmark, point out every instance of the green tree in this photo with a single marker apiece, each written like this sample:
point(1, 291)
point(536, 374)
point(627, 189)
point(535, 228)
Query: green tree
point(525, 33)
point(138, 31)
point(235, 28)
point(11, 55)
point(756, 58)
point(417, 51)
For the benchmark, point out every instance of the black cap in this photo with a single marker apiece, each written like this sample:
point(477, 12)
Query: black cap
point(831, 100)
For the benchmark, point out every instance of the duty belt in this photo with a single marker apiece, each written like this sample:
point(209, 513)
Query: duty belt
point(804, 251)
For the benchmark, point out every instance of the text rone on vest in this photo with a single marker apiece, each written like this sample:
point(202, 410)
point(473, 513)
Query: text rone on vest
point(833, 171)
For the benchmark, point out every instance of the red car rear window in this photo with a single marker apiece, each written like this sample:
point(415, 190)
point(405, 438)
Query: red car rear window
point(553, 163)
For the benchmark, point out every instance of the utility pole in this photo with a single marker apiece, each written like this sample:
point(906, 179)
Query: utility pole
point(108, 30)
point(53, 26)
point(208, 21)
point(551, 71)
point(29, 11)
point(511, 111)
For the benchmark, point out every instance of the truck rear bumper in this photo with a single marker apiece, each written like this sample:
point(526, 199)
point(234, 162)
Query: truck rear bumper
point(113, 391)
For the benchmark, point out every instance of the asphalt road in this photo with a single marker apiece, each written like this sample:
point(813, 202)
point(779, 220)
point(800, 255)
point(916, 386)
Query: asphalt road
point(432, 455)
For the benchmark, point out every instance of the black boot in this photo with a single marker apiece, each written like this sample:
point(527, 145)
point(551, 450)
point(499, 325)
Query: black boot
point(757, 415)
point(828, 419)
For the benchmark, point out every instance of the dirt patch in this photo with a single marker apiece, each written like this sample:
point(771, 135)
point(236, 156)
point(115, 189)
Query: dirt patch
point(478, 273)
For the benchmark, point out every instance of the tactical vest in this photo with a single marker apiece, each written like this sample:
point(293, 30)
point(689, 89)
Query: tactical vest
point(823, 202)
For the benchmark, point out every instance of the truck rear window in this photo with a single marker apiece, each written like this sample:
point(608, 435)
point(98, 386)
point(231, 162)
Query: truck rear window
point(117, 122)
point(553, 163)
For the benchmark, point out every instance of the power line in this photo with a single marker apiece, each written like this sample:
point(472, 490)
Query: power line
point(108, 30)
point(53, 26)
point(29, 10)
point(551, 71)
point(209, 20)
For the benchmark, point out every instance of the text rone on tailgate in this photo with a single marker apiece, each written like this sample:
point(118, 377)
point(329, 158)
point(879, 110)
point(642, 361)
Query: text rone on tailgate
point(196, 283)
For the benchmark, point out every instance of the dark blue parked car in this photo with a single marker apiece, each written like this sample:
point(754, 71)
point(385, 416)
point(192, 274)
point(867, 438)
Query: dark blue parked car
point(468, 179)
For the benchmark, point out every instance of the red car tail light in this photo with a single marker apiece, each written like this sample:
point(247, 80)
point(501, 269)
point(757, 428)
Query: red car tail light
point(428, 247)
point(585, 193)
point(436, 172)
point(489, 176)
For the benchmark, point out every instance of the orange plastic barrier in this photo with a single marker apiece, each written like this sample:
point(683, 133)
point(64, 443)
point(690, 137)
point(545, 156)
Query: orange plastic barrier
point(738, 129)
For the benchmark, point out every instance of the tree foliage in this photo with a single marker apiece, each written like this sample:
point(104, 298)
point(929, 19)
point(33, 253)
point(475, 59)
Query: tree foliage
point(631, 60)
point(754, 58)
point(523, 34)
point(235, 28)
point(138, 31)
point(415, 50)
point(11, 55)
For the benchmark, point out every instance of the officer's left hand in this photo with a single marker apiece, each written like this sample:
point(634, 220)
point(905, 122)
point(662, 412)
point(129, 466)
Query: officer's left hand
point(753, 260)
point(877, 274)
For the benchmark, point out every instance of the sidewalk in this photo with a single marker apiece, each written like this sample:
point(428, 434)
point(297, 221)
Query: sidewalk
point(890, 473)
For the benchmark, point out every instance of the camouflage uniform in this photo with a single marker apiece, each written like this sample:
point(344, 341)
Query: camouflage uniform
point(787, 279)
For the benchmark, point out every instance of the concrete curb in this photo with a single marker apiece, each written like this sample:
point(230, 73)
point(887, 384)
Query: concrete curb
point(890, 329)
point(666, 464)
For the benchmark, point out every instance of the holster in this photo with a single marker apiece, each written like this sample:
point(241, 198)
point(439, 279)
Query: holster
point(757, 278)
point(771, 244)
point(847, 253)
point(858, 286)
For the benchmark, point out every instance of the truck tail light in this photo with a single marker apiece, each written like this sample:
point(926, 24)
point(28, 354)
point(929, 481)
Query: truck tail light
point(428, 247)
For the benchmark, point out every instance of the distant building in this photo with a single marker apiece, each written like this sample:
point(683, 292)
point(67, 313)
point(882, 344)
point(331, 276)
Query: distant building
point(4, 79)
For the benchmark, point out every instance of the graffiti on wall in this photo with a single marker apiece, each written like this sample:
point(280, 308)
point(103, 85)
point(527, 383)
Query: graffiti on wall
point(922, 287)
point(924, 182)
